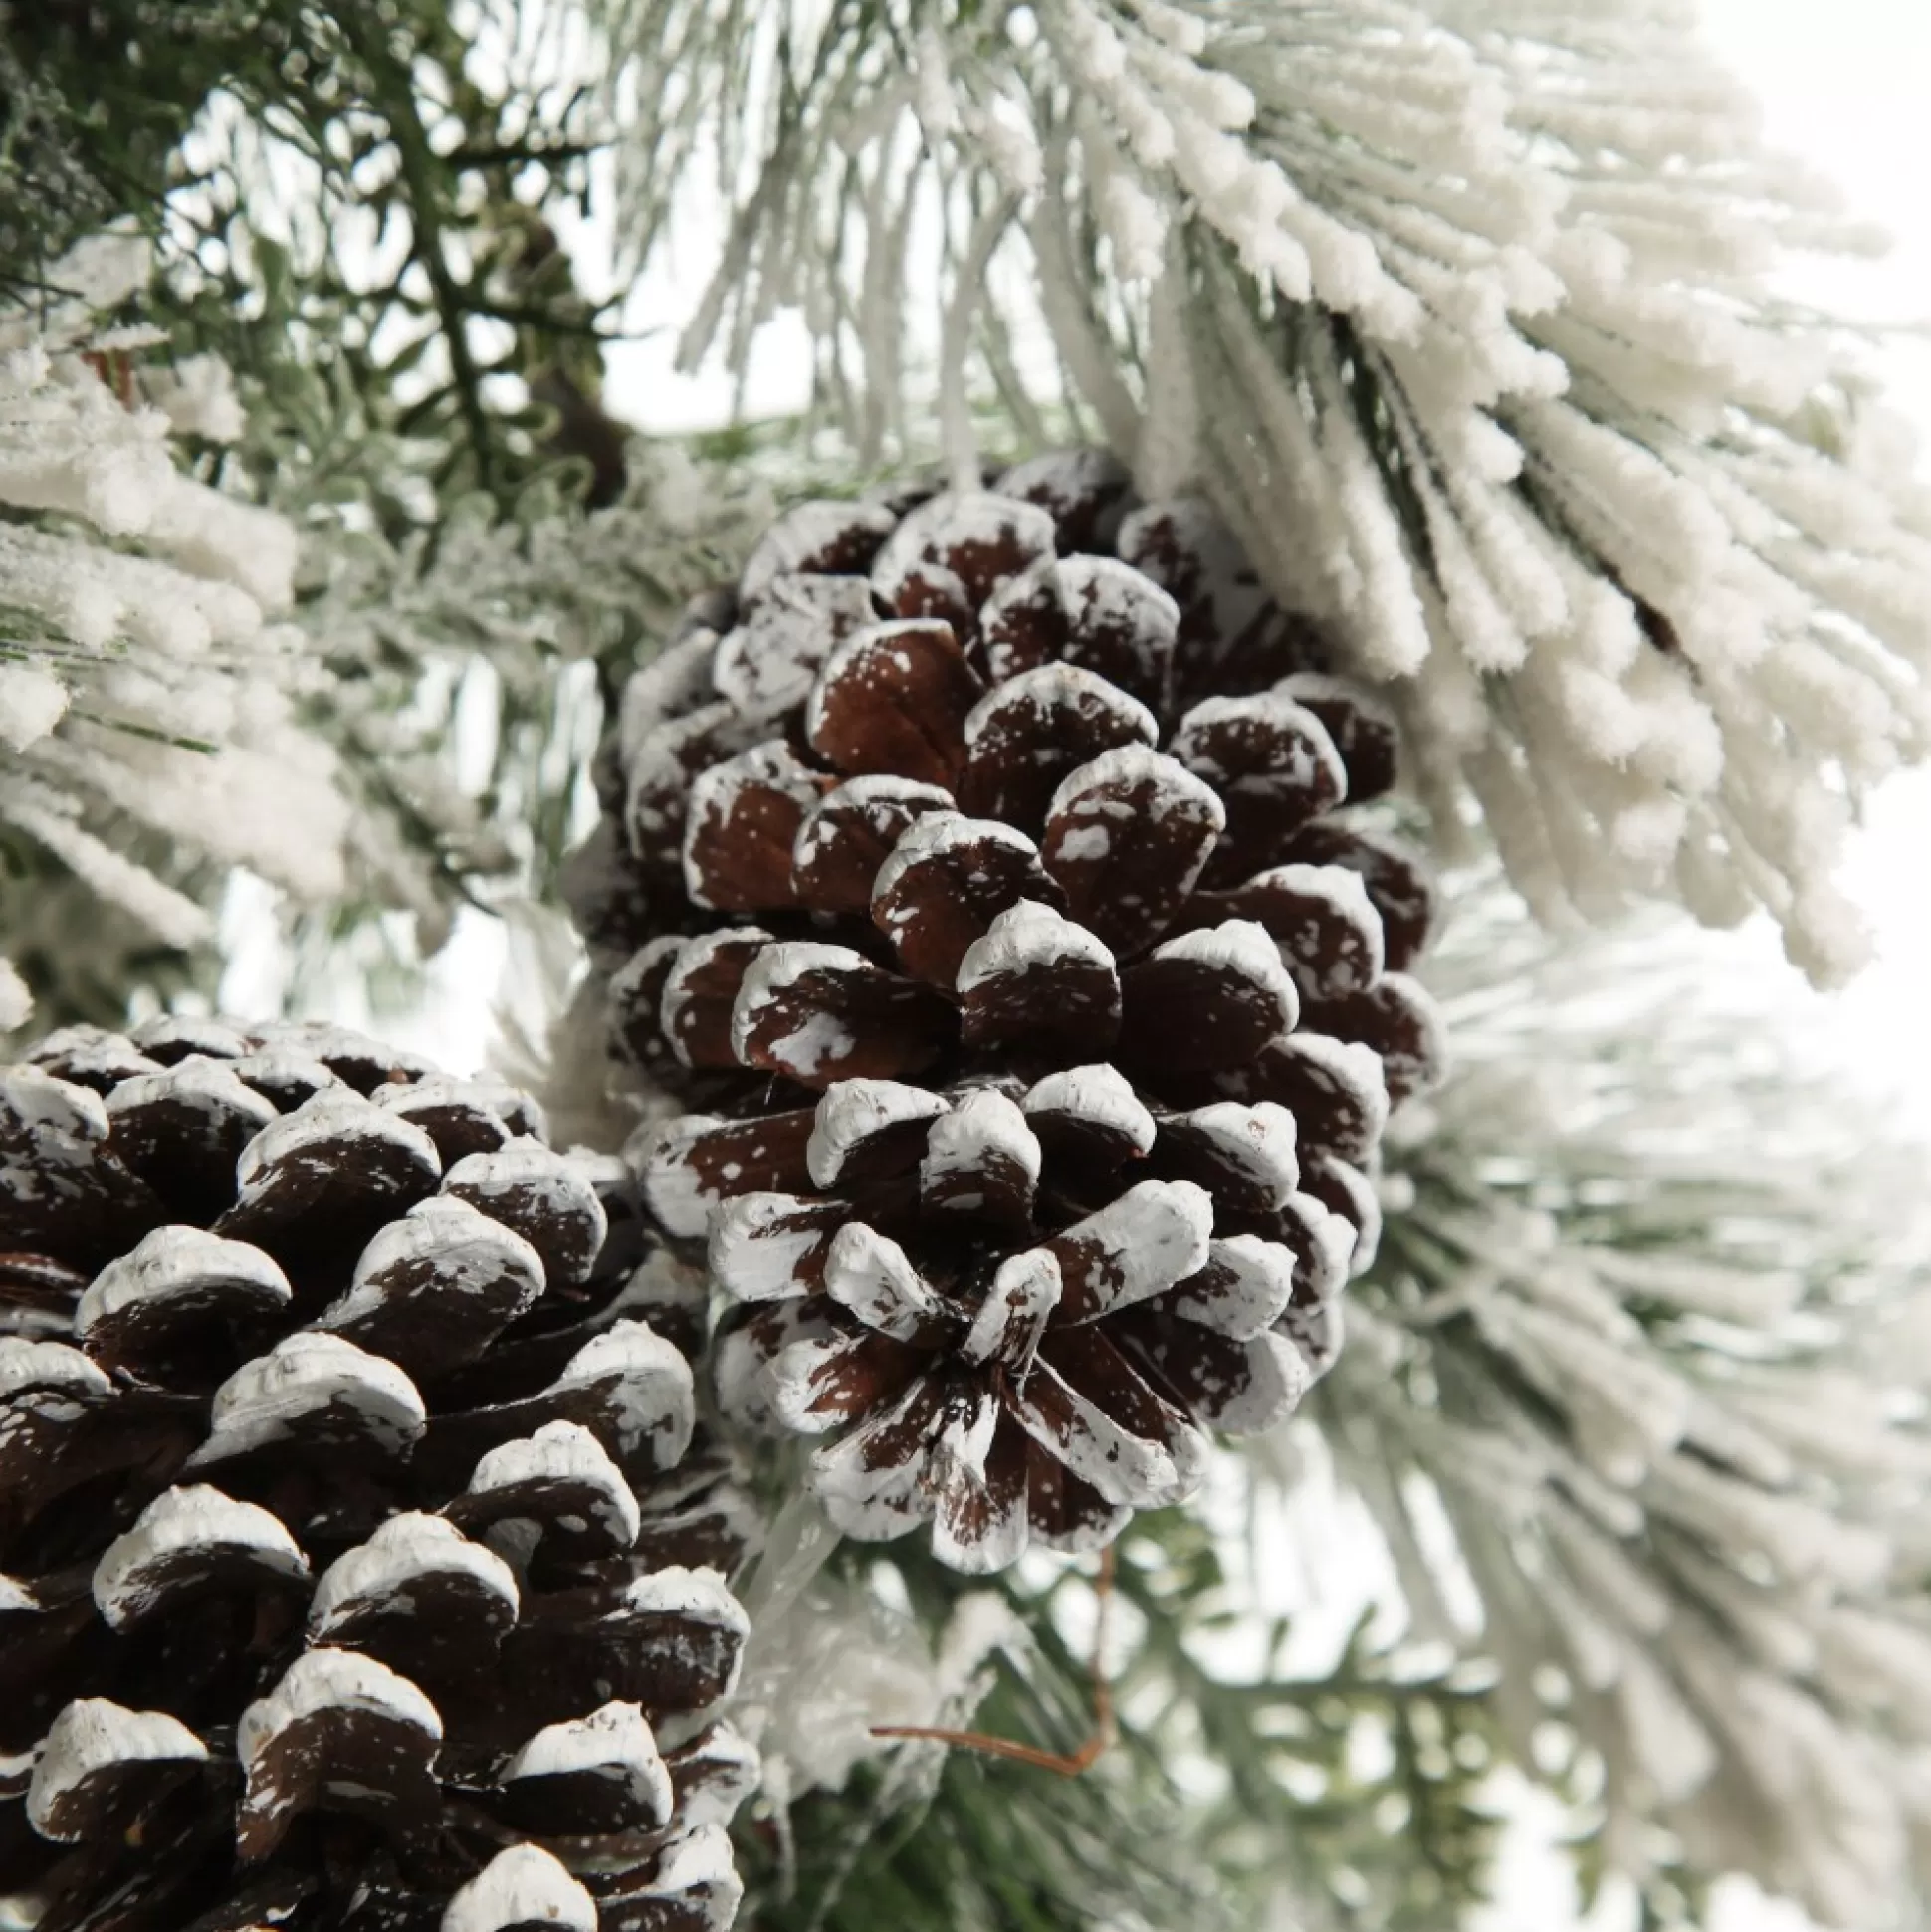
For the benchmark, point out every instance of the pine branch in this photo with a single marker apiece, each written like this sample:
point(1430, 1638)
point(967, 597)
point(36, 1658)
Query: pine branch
point(1480, 359)
point(359, 97)
point(427, 181)
point(1350, 1800)
point(1640, 1330)
point(390, 400)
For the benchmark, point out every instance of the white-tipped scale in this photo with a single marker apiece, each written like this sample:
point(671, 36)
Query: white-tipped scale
point(525, 1886)
point(328, 1680)
point(305, 1373)
point(94, 1734)
point(174, 1262)
point(984, 1131)
point(1102, 1094)
point(1139, 1244)
point(335, 1113)
point(614, 1741)
point(192, 1520)
point(939, 832)
point(648, 1379)
point(853, 1112)
point(758, 1245)
point(406, 1551)
point(870, 1274)
point(50, 1365)
point(1027, 936)
point(564, 1453)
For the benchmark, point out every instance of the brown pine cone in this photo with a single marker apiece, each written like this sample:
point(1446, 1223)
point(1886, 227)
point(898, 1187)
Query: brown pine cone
point(357, 1569)
point(1043, 1002)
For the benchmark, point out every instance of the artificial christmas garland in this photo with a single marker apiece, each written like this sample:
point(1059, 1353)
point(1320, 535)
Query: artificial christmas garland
point(1000, 917)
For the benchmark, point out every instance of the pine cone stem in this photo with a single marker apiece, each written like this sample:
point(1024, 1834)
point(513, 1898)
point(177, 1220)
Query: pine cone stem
point(1068, 1764)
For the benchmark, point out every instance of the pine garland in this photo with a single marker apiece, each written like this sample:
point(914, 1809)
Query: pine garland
point(321, 562)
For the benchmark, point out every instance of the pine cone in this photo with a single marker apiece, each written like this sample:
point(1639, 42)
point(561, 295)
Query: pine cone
point(354, 1544)
point(1042, 1006)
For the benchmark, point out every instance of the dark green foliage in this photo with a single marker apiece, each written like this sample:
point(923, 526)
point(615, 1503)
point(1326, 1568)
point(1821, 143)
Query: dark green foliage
point(1345, 1802)
point(347, 191)
point(995, 1848)
point(350, 203)
point(95, 98)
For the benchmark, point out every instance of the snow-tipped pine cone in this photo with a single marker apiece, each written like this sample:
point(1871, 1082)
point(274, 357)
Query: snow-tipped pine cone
point(352, 1551)
point(1043, 1004)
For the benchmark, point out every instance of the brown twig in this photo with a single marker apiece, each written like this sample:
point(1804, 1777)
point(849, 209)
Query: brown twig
point(1067, 1764)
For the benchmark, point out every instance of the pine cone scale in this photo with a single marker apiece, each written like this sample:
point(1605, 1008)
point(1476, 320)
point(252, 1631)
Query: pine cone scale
point(893, 700)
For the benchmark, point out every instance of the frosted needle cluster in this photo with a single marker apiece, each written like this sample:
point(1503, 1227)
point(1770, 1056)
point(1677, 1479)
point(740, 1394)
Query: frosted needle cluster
point(1644, 1337)
point(148, 696)
point(1460, 311)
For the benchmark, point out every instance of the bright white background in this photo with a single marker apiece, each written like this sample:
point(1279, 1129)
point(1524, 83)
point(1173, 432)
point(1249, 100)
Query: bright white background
point(1848, 84)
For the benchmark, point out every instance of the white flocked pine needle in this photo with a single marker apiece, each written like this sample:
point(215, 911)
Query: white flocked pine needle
point(1462, 311)
point(1644, 1337)
point(148, 695)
